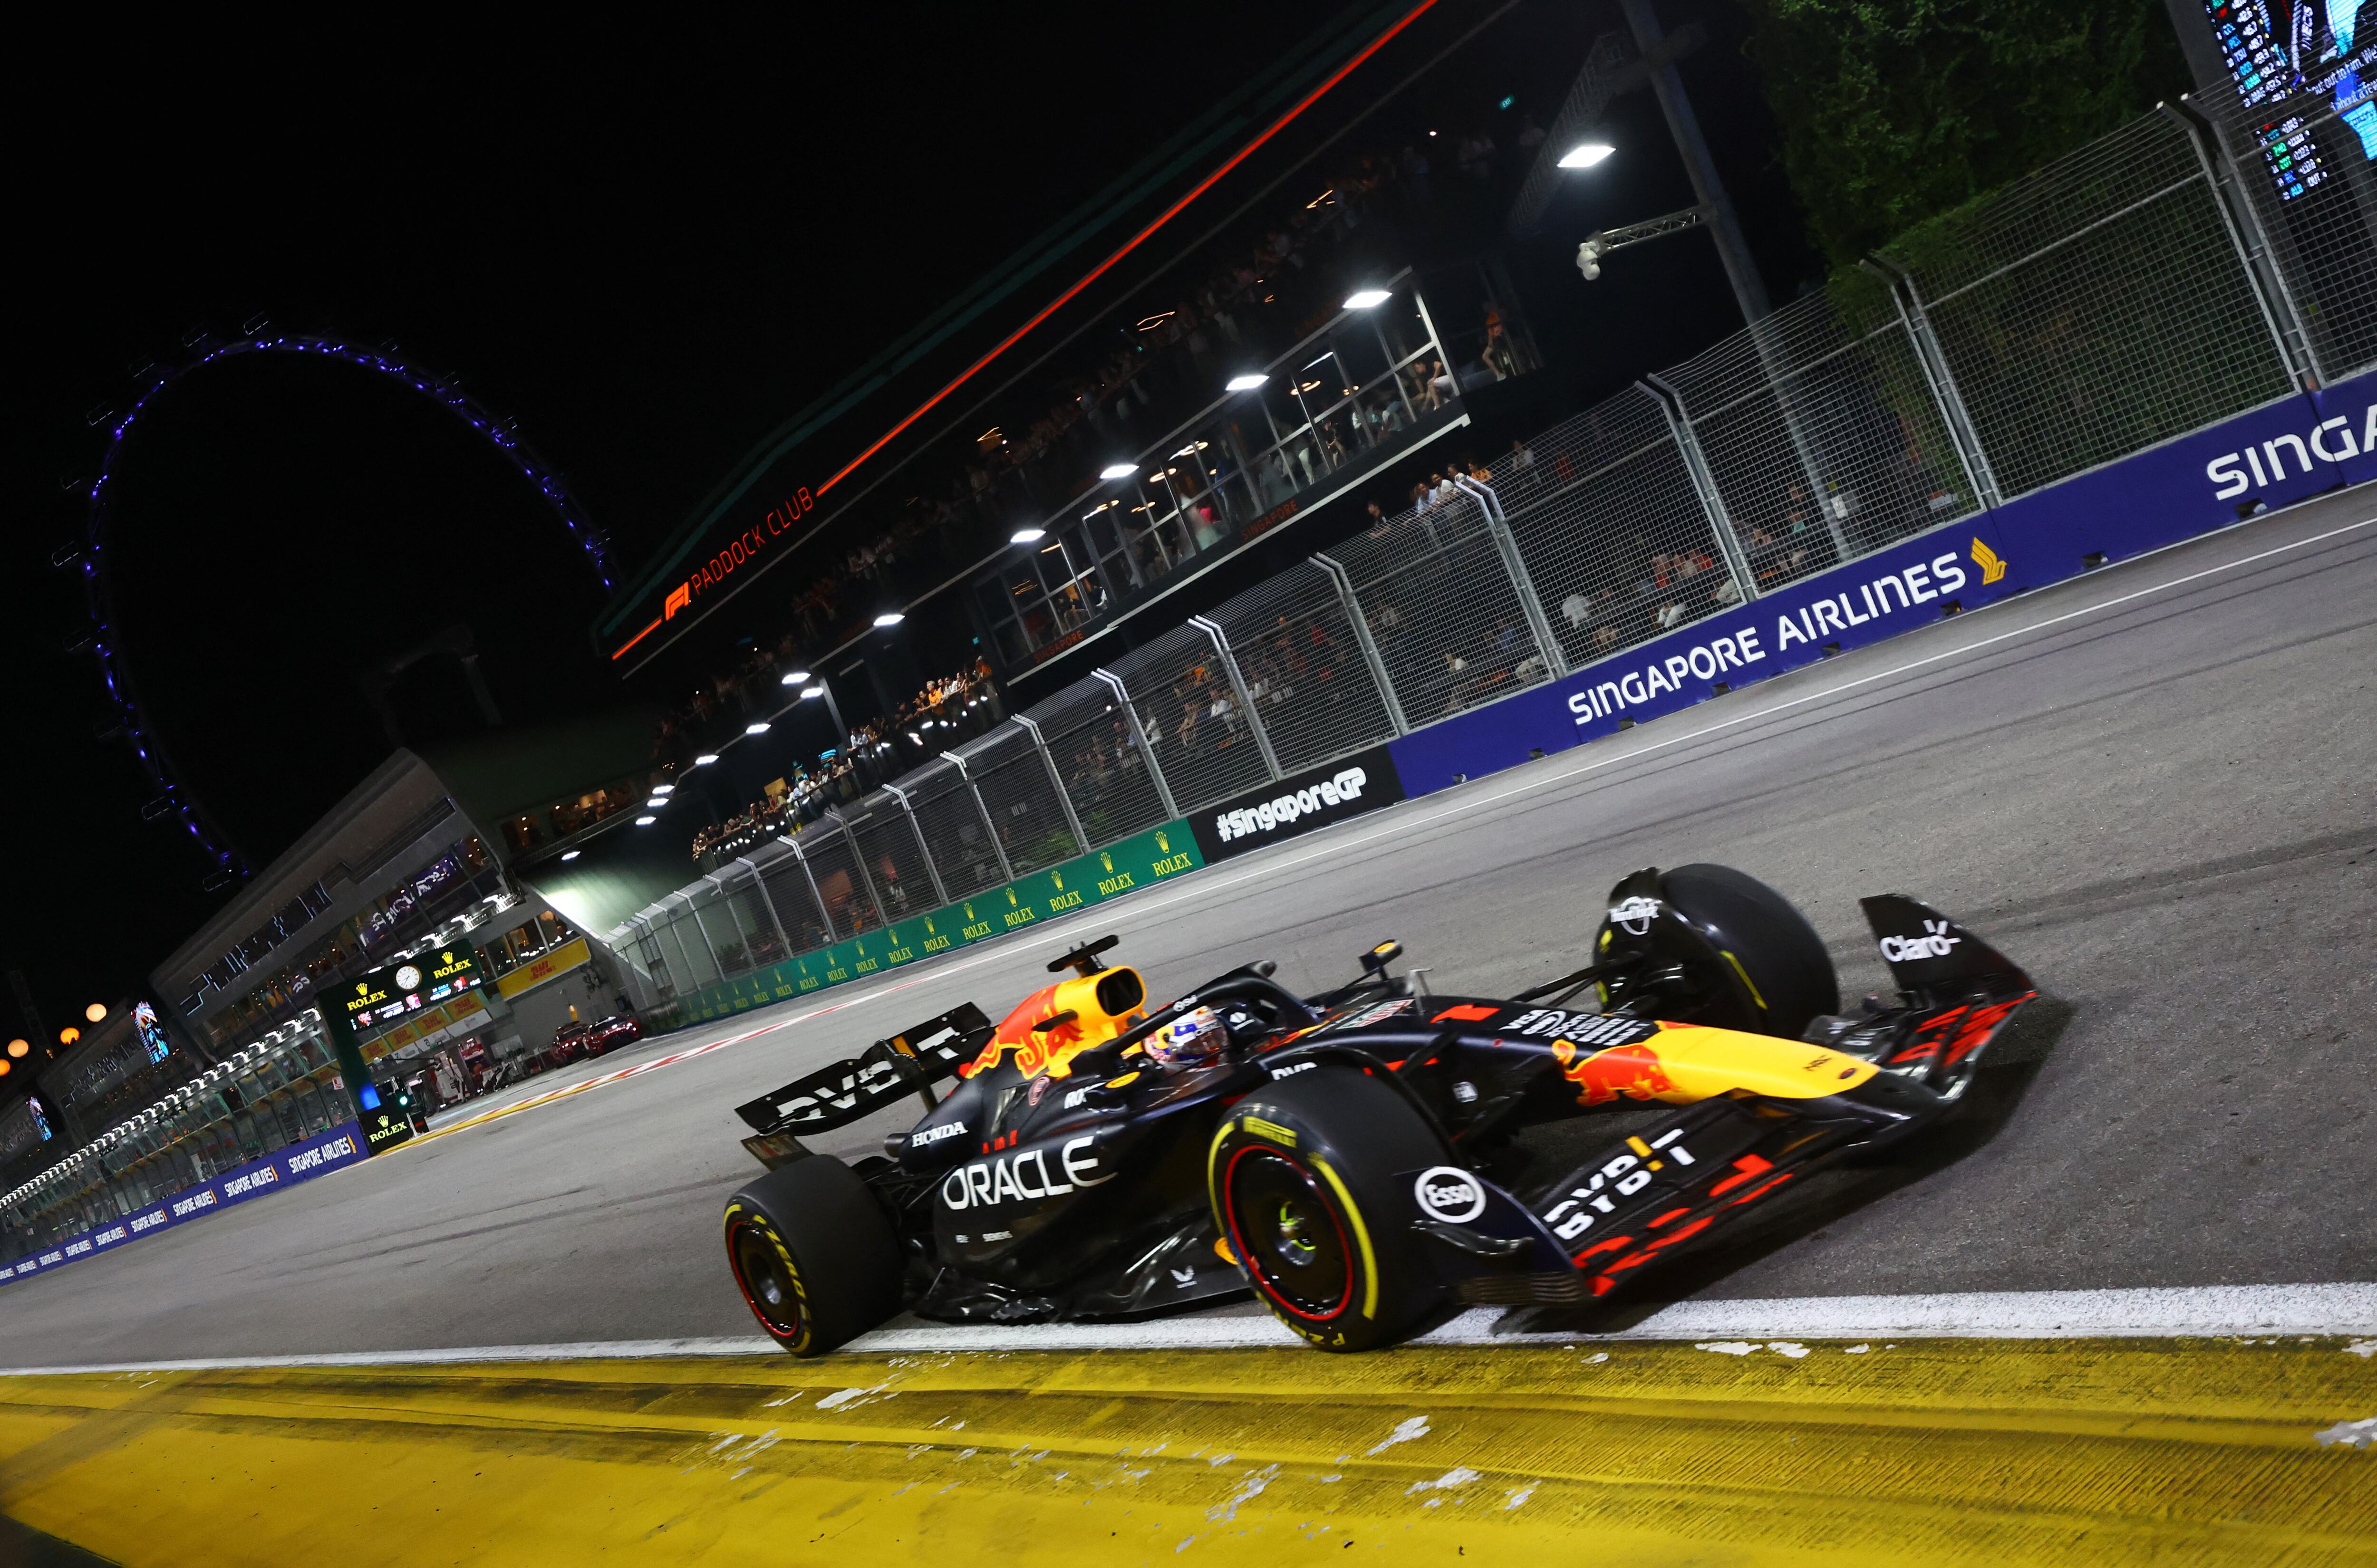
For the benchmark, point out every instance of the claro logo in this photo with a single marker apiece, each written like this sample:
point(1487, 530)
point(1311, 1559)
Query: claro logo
point(1935, 942)
point(1025, 1175)
point(2330, 440)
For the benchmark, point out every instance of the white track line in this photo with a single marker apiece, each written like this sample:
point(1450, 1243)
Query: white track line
point(2194, 1312)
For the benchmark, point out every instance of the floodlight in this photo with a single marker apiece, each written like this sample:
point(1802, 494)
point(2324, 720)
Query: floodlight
point(1117, 471)
point(1585, 154)
point(1244, 382)
point(1365, 299)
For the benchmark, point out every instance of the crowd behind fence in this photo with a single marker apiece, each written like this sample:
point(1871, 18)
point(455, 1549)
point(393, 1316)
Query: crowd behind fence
point(2146, 286)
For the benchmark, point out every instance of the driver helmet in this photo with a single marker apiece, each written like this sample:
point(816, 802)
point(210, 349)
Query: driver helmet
point(1193, 1039)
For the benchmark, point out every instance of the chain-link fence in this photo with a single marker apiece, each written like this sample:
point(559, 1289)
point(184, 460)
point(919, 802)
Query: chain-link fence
point(2140, 289)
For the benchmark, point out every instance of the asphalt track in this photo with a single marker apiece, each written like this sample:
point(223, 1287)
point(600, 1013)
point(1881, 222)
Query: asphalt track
point(2157, 786)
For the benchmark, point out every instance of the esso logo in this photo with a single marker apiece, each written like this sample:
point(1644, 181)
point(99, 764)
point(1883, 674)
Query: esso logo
point(1635, 915)
point(1449, 1194)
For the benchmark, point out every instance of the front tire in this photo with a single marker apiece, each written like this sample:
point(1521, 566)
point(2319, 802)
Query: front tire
point(814, 1254)
point(1302, 1175)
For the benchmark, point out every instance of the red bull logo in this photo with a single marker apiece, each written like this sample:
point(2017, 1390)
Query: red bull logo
point(1634, 1070)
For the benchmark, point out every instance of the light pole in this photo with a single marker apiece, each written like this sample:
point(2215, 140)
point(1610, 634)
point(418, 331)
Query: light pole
point(824, 688)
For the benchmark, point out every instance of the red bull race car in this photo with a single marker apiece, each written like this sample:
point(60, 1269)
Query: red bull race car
point(1357, 1160)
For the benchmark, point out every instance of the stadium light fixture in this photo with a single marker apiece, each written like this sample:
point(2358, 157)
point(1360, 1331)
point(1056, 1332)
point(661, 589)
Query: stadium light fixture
point(646, 820)
point(812, 691)
point(1244, 382)
point(1027, 536)
point(657, 802)
point(796, 677)
point(889, 618)
point(1366, 299)
point(1585, 154)
point(69, 1036)
point(758, 729)
point(571, 854)
point(1117, 471)
point(664, 789)
point(705, 759)
point(19, 1047)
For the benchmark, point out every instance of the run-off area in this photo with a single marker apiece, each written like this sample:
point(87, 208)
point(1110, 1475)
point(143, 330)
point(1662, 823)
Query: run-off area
point(2165, 809)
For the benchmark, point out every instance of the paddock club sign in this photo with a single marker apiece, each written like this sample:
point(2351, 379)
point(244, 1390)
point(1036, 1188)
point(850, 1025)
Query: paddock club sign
point(1299, 804)
point(731, 557)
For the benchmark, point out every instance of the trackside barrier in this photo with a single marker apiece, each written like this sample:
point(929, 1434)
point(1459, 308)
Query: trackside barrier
point(2287, 451)
point(1143, 860)
point(300, 1161)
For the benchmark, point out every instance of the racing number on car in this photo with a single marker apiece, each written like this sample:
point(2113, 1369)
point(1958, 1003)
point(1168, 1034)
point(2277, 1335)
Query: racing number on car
point(1624, 1176)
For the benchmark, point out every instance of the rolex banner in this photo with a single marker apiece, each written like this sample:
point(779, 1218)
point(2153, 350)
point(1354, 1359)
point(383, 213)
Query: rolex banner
point(1298, 803)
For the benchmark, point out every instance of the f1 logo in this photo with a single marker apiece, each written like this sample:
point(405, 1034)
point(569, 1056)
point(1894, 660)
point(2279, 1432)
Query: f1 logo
point(680, 598)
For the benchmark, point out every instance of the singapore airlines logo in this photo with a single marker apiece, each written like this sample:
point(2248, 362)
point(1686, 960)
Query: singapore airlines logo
point(1991, 564)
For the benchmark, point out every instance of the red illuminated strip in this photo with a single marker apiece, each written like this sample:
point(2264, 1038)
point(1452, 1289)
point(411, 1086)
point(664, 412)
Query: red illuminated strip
point(1098, 271)
point(1169, 213)
point(640, 636)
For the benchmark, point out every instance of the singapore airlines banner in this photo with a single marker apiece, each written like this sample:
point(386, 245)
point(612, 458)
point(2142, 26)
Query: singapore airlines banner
point(2287, 451)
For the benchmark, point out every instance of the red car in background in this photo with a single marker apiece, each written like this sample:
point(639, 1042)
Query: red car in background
point(609, 1033)
point(569, 1042)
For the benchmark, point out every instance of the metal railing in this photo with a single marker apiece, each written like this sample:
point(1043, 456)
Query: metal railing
point(2121, 297)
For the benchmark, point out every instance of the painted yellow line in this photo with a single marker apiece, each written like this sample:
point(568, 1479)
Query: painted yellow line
point(2000, 1452)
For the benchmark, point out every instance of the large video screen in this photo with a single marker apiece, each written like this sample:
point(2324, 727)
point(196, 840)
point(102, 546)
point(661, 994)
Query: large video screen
point(2297, 60)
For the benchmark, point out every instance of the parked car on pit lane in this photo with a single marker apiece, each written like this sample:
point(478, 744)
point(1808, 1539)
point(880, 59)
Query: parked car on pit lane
point(1351, 1157)
point(569, 1042)
point(609, 1033)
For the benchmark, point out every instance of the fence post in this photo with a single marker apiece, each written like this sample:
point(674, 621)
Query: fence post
point(1728, 544)
point(817, 894)
point(1345, 585)
point(858, 858)
point(1006, 871)
point(2267, 283)
point(1238, 684)
point(1056, 780)
point(1139, 733)
point(742, 937)
point(1498, 527)
point(708, 946)
point(767, 901)
point(939, 891)
point(1934, 361)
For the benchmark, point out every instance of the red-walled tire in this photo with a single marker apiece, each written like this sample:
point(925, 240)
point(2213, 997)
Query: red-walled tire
point(1302, 1179)
point(814, 1254)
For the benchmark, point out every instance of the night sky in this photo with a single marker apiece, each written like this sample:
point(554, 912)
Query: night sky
point(646, 248)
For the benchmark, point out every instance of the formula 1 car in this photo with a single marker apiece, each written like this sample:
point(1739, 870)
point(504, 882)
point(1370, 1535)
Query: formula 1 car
point(1351, 1158)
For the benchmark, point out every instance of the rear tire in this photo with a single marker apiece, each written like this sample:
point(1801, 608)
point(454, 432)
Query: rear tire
point(814, 1254)
point(1302, 1175)
point(1782, 962)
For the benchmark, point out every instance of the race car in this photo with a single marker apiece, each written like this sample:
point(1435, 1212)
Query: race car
point(1353, 1159)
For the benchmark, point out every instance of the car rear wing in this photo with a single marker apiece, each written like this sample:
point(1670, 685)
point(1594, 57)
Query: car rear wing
point(856, 1087)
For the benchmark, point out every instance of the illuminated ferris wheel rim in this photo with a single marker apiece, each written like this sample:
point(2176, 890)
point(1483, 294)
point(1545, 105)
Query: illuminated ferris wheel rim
point(99, 590)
